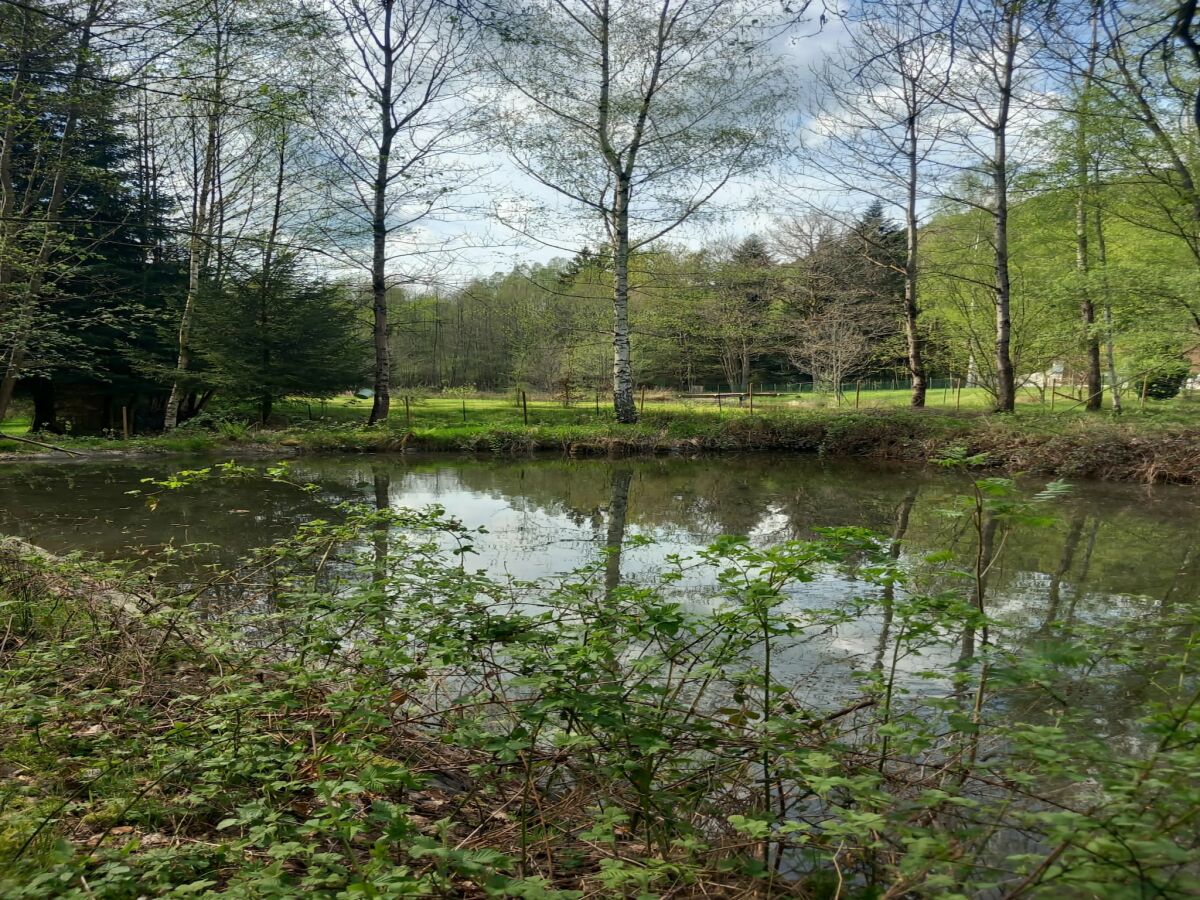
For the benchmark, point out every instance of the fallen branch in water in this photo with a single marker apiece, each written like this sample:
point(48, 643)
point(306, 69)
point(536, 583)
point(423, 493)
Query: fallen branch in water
point(25, 440)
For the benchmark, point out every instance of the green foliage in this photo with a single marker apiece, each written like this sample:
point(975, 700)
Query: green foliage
point(357, 711)
point(273, 333)
point(1148, 281)
point(84, 284)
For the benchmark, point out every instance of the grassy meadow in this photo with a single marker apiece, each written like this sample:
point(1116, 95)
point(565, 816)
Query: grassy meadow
point(1151, 440)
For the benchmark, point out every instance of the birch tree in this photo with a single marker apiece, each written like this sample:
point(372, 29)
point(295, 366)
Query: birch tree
point(638, 114)
point(226, 64)
point(201, 146)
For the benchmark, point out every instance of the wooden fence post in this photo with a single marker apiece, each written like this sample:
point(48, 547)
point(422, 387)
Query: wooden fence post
point(407, 412)
point(464, 408)
point(125, 421)
point(525, 406)
point(752, 396)
point(857, 392)
point(957, 394)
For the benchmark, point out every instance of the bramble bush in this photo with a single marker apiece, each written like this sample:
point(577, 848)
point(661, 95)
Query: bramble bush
point(356, 712)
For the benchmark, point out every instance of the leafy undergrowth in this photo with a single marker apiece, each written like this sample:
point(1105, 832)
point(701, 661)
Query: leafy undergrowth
point(354, 713)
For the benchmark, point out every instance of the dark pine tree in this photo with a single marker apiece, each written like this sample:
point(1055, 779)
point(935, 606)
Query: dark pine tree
point(265, 336)
point(95, 342)
point(876, 248)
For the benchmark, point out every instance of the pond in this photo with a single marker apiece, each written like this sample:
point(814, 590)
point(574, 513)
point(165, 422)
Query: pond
point(1114, 552)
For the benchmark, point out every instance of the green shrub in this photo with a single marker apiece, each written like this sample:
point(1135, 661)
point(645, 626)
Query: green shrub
point(357, 711)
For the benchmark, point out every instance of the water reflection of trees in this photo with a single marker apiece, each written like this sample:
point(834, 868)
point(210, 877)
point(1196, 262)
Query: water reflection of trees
point(614, 537)
point(1140, 538)
point(1135, 543)
point(1138, 543)
point(1113, 552)
point(888, 599)
point(86, 506)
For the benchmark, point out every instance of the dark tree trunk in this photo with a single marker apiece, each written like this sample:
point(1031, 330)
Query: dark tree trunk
point(1054, 597)
point(383, 489)
point(381, 402)
point(1087, 308)
point(888, 600)
point(45, 414)
point(1005, 376)
point(985, 560)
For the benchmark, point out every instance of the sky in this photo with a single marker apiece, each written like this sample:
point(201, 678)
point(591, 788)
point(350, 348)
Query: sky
point(513, 219)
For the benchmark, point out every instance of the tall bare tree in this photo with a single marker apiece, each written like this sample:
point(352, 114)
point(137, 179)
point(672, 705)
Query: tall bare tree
point(1085, 197)
point(410, 63)
point(880, 130)
point(225, 66)
point(638, 112)
point(990, 87)
point(206, 130)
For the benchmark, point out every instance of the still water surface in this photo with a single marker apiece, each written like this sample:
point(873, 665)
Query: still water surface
point(1113, 553)
point(1111, 544)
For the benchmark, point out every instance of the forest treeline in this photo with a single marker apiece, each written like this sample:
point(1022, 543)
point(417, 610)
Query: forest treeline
point(255, 199)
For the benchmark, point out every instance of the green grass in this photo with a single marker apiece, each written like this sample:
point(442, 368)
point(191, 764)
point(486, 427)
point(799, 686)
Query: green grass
point(502, 411)
point(1156, 441)
point(15, 425)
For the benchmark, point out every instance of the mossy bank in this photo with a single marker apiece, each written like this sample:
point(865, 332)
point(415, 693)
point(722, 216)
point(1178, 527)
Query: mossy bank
point(1137, 449)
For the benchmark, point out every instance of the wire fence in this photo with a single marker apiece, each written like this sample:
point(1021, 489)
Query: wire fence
point(808, 387)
